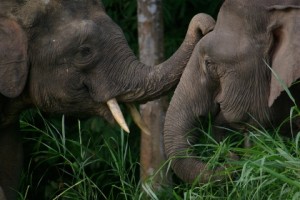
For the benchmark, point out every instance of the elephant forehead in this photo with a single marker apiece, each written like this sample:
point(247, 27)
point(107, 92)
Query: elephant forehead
point(79, 26)
point(230, 38)
point(225, 45)
point(70, 34)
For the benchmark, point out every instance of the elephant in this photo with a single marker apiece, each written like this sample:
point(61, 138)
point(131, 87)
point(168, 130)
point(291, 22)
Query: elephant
point(69, 57)
point(235, 79)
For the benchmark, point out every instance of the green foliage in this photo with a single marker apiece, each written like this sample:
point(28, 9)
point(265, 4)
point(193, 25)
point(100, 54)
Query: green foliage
point(77, 164)
point(68, 163)
point(269, 169)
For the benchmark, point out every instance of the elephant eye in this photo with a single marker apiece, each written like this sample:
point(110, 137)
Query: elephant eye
point(206, 65)
point(207, 62)
point(210, 68)
point(84, 56)
point(84, 51)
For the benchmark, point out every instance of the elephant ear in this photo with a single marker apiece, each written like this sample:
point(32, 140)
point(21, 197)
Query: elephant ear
point(285, 28)
point(13, 58)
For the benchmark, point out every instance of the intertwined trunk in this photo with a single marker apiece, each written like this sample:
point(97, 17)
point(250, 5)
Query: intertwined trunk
point(192, 100)
point(152, 81)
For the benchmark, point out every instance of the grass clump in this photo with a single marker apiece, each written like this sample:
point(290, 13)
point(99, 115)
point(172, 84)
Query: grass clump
point(84, 163)
point(77, 164)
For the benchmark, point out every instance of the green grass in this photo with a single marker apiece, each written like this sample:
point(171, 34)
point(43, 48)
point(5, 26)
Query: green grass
point(86, 163)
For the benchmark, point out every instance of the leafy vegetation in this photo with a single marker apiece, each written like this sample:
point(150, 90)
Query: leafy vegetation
point(81, 164)
point(86, 165)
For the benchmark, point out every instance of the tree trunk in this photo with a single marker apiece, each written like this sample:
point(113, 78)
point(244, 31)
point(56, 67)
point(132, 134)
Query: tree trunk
point(151, 49)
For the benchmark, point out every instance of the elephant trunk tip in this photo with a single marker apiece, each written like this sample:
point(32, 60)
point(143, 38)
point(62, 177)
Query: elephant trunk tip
point(205, 22)
point(193, 171)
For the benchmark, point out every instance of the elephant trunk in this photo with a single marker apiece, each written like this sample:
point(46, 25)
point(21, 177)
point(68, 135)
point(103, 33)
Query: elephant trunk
point(179, 136)
point(154, 81)
point(146, 82)
point(193, 99)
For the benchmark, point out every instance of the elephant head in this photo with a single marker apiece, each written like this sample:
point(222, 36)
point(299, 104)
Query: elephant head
point(66, 56)
point(70, 57)
point(232, 77)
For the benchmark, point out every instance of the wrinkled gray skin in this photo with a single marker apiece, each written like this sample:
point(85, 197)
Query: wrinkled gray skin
point(228, 77)
point(66, 56)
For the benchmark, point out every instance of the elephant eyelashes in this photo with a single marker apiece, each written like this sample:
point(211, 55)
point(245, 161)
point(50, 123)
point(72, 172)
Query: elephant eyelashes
point(207, 66)
point(210, 68)
point(85, 52)
point(207, 63)
point(84, 56)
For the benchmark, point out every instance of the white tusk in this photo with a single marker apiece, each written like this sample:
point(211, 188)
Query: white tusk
point(137, 118)
point(117, 113)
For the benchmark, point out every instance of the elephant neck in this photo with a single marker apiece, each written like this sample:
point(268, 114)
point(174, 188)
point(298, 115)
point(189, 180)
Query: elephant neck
point(10, 109)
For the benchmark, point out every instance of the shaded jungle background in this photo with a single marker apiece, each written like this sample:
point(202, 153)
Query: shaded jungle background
point(67, 158)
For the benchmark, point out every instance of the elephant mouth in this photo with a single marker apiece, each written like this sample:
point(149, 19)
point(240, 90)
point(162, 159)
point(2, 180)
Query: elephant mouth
point(119, 117)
